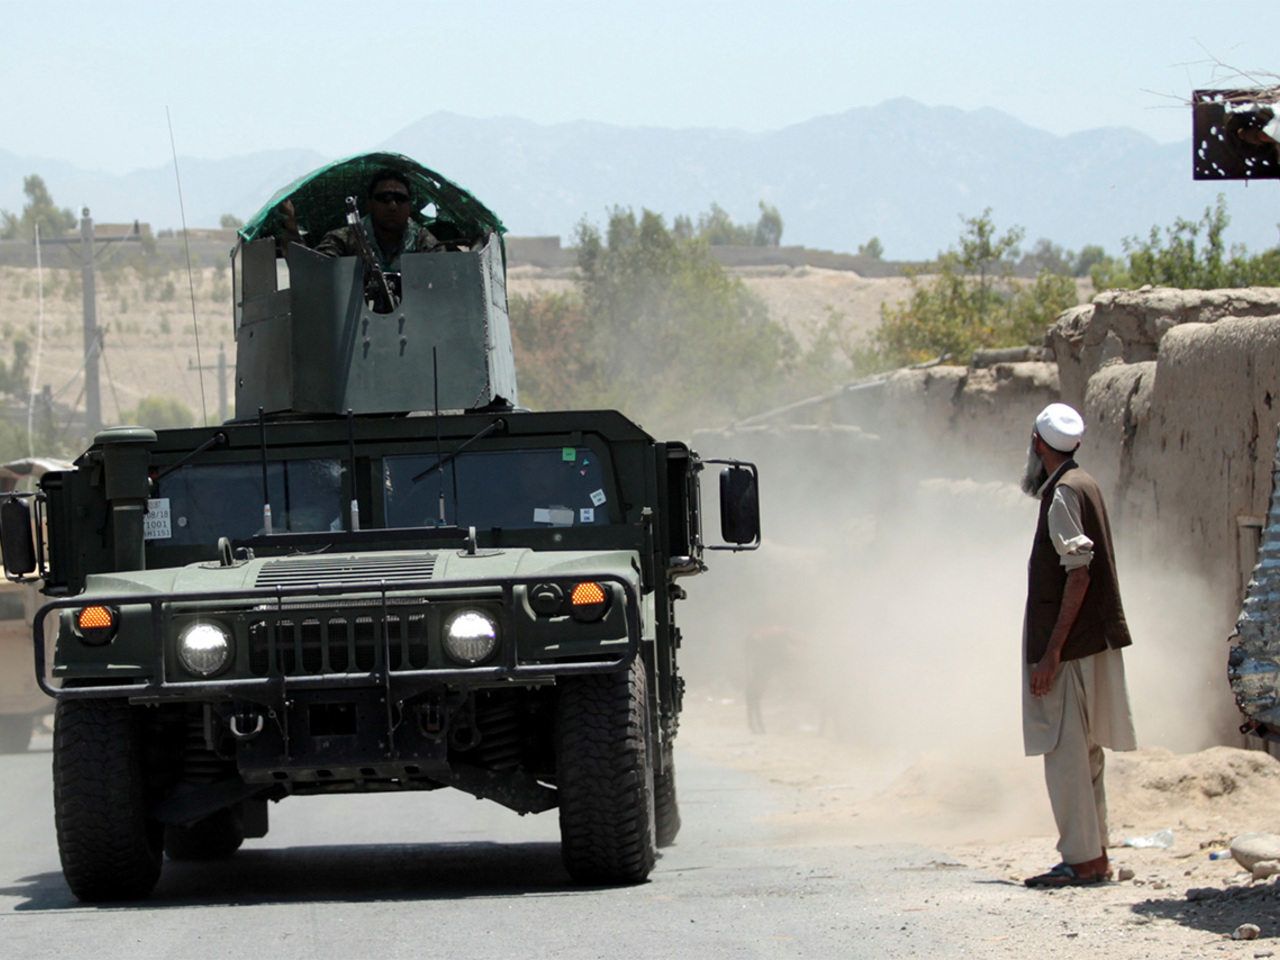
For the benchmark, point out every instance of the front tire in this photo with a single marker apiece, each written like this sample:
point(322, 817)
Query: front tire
point(666, 805)
point(110, 849)
point(605, 777)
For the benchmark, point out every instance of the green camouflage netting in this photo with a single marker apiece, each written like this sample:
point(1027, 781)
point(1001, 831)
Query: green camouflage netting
point(319, 198)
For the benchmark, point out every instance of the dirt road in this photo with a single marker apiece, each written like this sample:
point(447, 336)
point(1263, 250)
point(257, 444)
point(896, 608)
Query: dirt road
point(994, 817)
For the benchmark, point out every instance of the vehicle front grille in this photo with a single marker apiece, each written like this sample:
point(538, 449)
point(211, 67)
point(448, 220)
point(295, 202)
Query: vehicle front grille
point(337, 571)
point(292, 644)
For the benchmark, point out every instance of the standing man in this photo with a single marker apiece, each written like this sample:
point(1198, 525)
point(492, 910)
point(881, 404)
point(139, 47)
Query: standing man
point(1074, 700)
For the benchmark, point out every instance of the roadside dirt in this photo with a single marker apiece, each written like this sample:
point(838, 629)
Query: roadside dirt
point(991, 814)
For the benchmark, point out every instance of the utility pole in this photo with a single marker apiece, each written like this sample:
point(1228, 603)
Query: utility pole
point(92, 338)
point(92, 333)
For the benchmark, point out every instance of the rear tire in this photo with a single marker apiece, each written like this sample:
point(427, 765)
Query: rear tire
point(216, 837)
point(605, 777)
point(15, 733)
point(109, 848)
point(666, 805)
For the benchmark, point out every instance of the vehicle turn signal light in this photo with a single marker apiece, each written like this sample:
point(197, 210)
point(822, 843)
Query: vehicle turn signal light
point(588, 600)
point(95, 618)
point(95, 625)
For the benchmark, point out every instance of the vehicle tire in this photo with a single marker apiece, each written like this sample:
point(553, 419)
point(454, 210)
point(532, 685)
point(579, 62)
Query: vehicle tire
point(15, 733)
point(604, 775)
point(110, 850)
point(216, 837)
point(666, 806)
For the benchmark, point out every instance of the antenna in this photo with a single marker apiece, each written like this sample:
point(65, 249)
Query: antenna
point(435, 386)
point(35, 367)
point(266, 489)
point(186, 249)
point(351, 471)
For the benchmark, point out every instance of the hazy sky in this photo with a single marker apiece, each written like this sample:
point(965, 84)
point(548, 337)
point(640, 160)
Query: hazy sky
point(89, 82)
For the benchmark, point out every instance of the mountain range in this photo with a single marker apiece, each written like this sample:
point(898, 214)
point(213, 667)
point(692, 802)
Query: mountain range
point(900, 171)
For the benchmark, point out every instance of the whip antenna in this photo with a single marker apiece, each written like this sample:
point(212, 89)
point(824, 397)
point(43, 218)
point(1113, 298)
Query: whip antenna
point(35, 367)
point(186, 249)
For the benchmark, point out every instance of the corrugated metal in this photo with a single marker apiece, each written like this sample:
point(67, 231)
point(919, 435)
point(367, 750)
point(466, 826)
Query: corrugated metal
point(1254, 664)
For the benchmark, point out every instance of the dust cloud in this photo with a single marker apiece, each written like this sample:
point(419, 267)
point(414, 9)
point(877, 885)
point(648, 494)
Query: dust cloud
point(889, 595)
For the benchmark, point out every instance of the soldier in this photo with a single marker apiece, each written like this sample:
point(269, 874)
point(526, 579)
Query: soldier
point(389, 224)
point(1074, 697)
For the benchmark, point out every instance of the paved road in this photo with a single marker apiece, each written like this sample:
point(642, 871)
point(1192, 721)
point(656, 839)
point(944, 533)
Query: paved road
point(443, 874)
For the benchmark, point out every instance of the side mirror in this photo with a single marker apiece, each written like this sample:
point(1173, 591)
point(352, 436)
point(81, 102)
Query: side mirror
point(739, 505)
point(17, 543)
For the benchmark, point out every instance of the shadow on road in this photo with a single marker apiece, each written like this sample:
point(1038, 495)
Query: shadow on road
point(434, 871)
point(1219, 911)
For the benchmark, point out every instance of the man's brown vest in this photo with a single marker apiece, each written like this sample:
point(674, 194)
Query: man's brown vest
point(1100, 623)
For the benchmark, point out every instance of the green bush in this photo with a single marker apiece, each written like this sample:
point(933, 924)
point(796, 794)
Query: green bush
point(967, 300)
point(159, 413)
point(1179, 257)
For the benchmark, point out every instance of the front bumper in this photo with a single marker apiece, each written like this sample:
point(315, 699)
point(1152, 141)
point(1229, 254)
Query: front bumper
point(298, 646)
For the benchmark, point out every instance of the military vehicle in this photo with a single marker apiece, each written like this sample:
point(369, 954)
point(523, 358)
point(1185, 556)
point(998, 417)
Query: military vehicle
point(23, 704)
point(381, 575)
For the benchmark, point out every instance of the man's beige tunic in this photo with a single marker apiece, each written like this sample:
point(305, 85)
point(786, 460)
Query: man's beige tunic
point(1087, 709)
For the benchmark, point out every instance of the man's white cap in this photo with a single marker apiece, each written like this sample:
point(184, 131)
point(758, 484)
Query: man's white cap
point(1060, 427)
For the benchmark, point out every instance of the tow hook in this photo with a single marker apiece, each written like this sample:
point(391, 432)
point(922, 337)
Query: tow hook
point(432, 719)
point(245, 725)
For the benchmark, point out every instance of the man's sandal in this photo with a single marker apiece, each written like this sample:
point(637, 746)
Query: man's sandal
point(1064, 875)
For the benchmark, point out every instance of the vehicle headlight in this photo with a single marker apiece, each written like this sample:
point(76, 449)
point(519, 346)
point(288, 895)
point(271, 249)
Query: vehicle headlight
point(203, 649)
point(470, 636)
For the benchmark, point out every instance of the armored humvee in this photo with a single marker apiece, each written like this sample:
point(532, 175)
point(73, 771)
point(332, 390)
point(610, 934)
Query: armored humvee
point(23, 704)
point(381, 575)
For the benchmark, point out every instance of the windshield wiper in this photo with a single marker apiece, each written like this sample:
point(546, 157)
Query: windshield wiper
point(219, 439)
point(442, 462)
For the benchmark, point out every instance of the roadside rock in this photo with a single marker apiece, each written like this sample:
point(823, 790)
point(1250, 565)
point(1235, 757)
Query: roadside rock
point(1246, 931)
point(1251, 848)
point(1265, 868)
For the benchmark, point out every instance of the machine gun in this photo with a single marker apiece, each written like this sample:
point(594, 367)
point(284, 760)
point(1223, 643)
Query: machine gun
point(378, 284)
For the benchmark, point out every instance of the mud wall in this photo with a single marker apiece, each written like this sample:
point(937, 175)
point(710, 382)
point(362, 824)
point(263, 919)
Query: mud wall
point(1181, 393)
point(1182, 441)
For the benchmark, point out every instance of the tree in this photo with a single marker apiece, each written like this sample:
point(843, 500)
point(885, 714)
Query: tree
point(230, 221)
point(1047, 255)
point(967, 300)
point(718, 229)
point(160, 413)
point(557, 358)
point(1177, 257)
point(668, 335)
point(873, 248)
point(14, 376)
point(39, 210)
point(1087, 258)
point(769, 226)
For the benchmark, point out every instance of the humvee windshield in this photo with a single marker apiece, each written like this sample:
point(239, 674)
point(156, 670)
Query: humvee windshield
point(199, 503)
point(511, 489)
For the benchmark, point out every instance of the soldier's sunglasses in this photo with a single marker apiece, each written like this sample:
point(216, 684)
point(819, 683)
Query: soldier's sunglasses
point(391, 196)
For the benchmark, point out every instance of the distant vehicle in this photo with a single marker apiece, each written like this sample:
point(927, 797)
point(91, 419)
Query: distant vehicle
point(22, 703)
point(382, 575)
